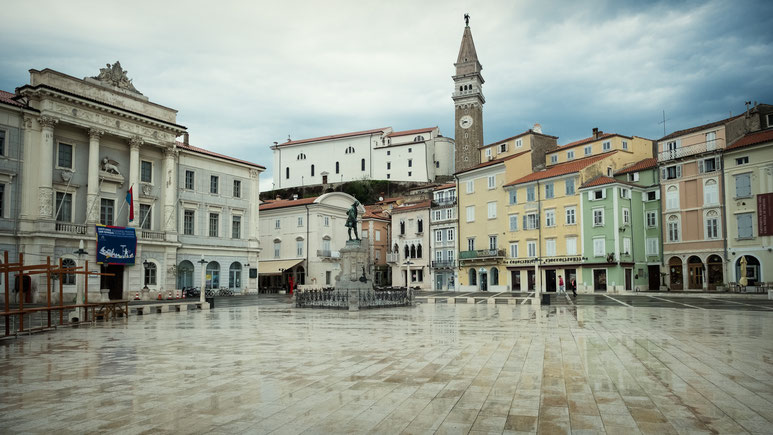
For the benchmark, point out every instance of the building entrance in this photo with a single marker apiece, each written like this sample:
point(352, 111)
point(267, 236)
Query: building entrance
point(550, 280)
point(600, 280)
point(515, 279)
point(695, 272)
point(653, 273)
point(675, 272)
point(113, 283)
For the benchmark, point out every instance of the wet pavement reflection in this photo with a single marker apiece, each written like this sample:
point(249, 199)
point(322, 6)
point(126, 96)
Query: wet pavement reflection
point(270, 368)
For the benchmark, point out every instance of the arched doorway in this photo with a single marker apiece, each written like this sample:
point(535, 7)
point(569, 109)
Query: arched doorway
point(675, 273)
point(695, 272)
point(473, 277)
point(235, 276)
point(483, 280)
point(716, 275)
point(185, 274)
point(494, 276)
point(752, 269)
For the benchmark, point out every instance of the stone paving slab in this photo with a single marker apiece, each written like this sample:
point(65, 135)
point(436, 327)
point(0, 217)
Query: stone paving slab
point(435, 368)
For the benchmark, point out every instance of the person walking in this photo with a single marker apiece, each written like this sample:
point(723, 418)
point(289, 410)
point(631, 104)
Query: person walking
point(561, 288)
point(573, 284)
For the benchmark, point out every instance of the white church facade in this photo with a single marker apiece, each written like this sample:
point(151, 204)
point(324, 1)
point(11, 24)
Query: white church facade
point(420, 155)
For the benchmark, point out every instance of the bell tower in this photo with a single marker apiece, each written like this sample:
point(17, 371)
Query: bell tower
point(468, 102)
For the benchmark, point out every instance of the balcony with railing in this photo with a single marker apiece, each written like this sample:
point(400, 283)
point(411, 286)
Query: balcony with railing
point(690, 150)
point(63, 227)
point(393, 257)
point(444, 264)
point(324, 253)
point(443, 202)
point(151, 235)
point(481, 253)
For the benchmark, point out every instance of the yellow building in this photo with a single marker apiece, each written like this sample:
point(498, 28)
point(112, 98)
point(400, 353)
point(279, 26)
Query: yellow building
point(544, 210)
point(481, 200)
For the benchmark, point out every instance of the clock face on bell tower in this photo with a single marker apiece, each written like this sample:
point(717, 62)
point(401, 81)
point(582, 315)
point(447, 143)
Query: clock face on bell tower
point(468, 104)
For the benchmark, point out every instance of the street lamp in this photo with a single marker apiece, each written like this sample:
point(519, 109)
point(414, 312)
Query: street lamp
point(146, 265)
point(81, 288)
point(407, 265)
point(203, 263)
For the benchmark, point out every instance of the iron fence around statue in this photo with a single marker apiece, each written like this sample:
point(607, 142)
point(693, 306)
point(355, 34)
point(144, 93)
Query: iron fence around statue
point(330, 298)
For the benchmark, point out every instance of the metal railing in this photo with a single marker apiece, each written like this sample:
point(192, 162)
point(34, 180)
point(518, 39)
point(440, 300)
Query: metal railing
point(70, 228)
point(324, 253)
point(444, 264)
point(481, 253)
point(393, 257)
point(444, 201)
point(698, 148)
point(151, 235)
point(330, 298)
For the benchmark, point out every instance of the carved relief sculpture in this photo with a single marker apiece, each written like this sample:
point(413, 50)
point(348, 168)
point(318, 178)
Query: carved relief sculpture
point(110, 166)
point(116, 76)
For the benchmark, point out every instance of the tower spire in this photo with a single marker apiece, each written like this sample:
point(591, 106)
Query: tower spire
point(468, 102)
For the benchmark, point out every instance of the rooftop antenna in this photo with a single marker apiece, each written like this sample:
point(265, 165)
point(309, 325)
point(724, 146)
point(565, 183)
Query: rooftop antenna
point(664, 122)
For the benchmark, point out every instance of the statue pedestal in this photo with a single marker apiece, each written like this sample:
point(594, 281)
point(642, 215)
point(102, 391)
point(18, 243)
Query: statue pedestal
point(353, 279)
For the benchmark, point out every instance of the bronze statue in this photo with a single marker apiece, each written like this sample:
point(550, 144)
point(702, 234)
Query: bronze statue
point(351, 220)
point(467, 20)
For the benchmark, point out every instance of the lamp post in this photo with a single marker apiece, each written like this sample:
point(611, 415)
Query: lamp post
point(203, 264)
point(146, 265)
point(407, 265)
point(81, 288)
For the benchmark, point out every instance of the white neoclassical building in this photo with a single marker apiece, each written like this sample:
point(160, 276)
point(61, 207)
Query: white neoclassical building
point(420, 155)
point(301, 239)
point(81, 145)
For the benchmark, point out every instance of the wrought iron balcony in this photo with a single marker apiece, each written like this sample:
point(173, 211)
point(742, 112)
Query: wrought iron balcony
point(481, 253)
point(444, 264)
point(698, 148)
point(62, 227)
point(323, 253)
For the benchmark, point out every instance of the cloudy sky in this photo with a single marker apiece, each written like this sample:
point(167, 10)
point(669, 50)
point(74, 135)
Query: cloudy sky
point(246, 74)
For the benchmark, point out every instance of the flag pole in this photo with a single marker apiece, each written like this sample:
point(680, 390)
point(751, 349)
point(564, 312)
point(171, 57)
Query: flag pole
point(124, 203)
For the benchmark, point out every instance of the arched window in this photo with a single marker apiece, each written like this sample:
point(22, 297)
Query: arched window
point(235, 275)
point(418, 138)
point(461, 88)
point(338, 168)
point(213, 274)
point(413, 251)
point(301, 156)
point(312, 170)
point(349, 150)
point(68, 278)
point(419, 225)
point(362, 164)
point(287, 172)
point(151, 273)
point(673, 229)
point(473, 277)
point(711, 192)
point(184, 274)
point(397, 248)
point(418, 251)
point(494, 276)
point(407, 252)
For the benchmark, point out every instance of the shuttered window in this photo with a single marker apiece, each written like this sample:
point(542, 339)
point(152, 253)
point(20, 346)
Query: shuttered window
point(745, 230)
point(743, 186)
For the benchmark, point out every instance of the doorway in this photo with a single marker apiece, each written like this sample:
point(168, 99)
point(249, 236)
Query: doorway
point(113, 283)
point(653, 273)
point(675, 273)
point(483, 281)
point(515, 278)
point(600, 280)
point(695, 272)
point(715, 274)
point(550, 280)
point(629, 279)
point(532, 278)
point(571, 279)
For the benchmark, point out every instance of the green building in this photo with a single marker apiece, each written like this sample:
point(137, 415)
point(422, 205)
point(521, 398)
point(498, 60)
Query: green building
point(621, 233)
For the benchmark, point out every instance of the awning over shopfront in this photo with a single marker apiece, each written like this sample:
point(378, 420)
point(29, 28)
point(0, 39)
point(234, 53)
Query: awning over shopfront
point(277, 267)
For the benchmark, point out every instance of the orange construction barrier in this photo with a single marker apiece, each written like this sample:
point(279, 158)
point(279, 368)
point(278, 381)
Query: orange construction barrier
point(159, 296)
point(137, 296)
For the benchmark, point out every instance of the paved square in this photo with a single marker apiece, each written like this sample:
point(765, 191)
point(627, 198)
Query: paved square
point(435, 368)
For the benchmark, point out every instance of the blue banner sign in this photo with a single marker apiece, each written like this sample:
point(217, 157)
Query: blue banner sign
point(116, 245)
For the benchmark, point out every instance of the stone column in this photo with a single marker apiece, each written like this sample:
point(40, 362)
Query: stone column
point(134, 175)
point(46, 167)
point(92, 196)
point(169, 223)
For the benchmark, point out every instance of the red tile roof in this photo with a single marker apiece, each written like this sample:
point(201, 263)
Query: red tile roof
point(214, 154)
point(530, 131)
point(561, 169)
point(374, 212)
point(699, 128)
point(410, 132)
point(603, 179)
point(752, 139)
point(334, 136)
point(414, 206)
point(6, 97)
point(445, 186)
point(282, 203)
point(639, 166)
point(494, 162)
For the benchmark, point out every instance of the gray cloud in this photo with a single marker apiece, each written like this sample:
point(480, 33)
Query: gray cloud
point(245, 74)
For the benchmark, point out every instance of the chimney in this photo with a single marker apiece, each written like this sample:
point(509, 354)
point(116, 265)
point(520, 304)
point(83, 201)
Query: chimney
point(186, 137)
point(595, 132)
point(537, 128)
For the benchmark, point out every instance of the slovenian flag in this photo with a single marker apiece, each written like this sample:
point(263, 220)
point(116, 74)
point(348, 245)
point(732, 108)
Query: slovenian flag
point(130, 201)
